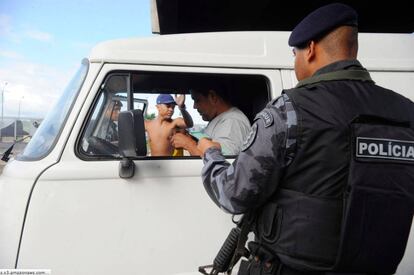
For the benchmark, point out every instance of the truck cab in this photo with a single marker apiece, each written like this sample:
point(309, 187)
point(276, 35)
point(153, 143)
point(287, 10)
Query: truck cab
point(63, 205)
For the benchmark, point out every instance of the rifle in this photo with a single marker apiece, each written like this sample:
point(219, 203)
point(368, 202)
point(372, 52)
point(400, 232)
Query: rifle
point(232, 249)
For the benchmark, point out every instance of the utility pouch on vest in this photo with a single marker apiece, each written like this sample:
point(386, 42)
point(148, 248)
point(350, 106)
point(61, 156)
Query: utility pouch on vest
point(379, 198)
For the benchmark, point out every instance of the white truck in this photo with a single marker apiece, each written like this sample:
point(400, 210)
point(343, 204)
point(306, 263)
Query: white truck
point(63, 205)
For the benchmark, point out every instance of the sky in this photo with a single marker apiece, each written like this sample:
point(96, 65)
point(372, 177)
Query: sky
point(42, 43)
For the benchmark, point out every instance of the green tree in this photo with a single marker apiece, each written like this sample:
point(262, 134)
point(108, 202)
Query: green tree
point(149, 116)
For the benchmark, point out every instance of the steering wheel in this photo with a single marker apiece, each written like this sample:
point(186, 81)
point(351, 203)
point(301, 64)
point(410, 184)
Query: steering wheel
point(101, 146)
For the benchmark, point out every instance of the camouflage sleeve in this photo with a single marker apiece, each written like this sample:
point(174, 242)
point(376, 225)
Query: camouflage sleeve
point(254, 175)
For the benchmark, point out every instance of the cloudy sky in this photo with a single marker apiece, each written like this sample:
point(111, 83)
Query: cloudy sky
point(43, 41)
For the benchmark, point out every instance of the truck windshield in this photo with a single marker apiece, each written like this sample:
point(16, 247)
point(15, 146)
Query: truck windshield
point(49, 130)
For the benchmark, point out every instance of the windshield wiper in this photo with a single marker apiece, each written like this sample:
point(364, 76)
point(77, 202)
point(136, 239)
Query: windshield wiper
point(6, 155)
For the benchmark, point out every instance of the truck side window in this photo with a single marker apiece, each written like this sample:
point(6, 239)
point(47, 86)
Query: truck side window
point(101, 135)
point(155, 93)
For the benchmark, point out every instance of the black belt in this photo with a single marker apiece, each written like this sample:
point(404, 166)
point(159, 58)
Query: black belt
point(258, 267)
point(264, 262)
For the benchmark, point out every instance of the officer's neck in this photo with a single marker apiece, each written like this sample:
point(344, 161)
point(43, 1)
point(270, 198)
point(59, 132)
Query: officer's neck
point(322, 60)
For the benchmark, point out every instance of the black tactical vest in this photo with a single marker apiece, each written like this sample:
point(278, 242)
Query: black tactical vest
point(345, 203)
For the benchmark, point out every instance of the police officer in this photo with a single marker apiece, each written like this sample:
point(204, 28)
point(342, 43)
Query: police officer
point(323, 167)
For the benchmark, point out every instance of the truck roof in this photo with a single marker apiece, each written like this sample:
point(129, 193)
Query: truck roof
point(246, 50)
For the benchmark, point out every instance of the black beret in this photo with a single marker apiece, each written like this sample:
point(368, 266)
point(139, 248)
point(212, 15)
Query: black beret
point(321, 21)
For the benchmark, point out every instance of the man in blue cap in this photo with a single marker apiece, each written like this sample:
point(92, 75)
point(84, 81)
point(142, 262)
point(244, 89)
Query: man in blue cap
point(322, 174)
point(163, 126)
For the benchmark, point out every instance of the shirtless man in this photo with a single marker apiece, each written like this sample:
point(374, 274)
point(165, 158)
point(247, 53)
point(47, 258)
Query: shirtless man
point(163, 126)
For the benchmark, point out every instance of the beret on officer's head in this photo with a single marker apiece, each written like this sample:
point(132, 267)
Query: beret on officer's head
point(321, 21)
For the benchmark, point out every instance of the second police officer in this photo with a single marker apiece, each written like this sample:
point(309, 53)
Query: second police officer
point(328, 167)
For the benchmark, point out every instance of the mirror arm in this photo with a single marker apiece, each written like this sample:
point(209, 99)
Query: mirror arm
point(126, 168)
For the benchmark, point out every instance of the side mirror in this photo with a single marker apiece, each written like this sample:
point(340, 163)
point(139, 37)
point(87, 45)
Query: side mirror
point(132, 142)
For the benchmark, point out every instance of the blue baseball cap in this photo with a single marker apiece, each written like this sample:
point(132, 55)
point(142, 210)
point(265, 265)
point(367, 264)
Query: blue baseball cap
point(165, 99)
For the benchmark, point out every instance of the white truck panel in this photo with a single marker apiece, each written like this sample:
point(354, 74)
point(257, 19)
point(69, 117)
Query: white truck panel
point(84, 219)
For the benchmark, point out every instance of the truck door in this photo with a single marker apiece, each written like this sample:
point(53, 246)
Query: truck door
point(84, 219)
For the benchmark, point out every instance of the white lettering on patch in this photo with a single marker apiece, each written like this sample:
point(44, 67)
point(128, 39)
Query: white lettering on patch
point(381, 148)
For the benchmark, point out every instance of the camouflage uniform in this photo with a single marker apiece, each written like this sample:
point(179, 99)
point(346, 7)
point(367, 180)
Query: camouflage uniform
point(253, 177)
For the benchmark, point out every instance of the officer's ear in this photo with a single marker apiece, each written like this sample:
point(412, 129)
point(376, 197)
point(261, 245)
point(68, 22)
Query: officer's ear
point(310, 52)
